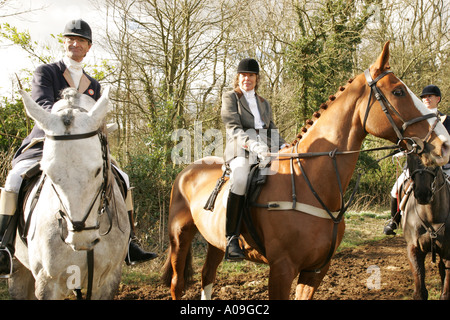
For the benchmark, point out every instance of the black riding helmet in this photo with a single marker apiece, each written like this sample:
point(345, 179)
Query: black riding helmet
point(248, 65)
point(431, 89)
point(78, 28)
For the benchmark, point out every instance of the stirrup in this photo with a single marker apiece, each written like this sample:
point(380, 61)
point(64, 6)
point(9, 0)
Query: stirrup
point(236, 259)
point(393, 221)
point(128, 257)
point(7, 276)
point(388, 224)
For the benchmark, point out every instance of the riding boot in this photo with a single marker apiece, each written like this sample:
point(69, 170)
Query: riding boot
point(8, 205)
point(395, 219)
point(235, 204)
point(135, 253)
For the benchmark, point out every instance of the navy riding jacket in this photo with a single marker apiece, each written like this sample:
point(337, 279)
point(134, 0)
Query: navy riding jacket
point(48, 82)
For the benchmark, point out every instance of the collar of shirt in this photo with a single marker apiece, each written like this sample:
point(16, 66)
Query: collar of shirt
point(72, 64)
point(250, 96)
point(75, 69)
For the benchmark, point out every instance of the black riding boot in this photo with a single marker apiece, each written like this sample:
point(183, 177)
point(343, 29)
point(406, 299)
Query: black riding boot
point(235, 204)
point(6, 244)
point(135, 253)
point(395, 219)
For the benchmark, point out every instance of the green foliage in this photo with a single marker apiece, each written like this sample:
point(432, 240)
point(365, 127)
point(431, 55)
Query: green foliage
point(14, 124)
point(152, 182)
point(322, 57)
point(23, 40)
point(378, 175)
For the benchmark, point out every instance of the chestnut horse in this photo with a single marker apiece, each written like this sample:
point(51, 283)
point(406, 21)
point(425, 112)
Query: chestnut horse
point(296, 242)
point(426, 224)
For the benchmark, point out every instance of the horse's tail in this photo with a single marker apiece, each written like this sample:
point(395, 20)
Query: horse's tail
point(168, 270)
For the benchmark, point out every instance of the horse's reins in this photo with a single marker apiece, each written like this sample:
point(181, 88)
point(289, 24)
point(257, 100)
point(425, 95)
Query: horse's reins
point(414, 145)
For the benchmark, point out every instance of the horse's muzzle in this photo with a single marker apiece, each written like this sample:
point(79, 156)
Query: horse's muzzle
point(83, 240)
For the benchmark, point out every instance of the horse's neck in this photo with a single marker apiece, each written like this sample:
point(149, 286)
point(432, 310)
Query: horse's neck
point(338, 128)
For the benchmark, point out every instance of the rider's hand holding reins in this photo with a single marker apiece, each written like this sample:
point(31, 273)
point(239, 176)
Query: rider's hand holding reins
point(260, 149)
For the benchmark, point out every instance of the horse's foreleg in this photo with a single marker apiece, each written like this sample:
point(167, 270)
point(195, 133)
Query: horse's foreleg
point(281, 275)
point(308, 282)
point(444, 270)
point(416, 262)
point(213, 259)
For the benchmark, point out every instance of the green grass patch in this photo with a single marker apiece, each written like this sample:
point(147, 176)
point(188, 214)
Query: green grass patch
point(363, 227)
point(4, 294)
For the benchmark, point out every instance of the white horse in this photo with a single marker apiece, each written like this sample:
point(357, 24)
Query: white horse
point(76, 206)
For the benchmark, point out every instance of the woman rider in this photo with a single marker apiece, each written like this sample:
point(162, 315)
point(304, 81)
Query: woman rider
point(250, 130)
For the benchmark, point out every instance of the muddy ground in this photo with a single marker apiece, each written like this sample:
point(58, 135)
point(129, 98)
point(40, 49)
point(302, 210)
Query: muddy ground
point(375, 271)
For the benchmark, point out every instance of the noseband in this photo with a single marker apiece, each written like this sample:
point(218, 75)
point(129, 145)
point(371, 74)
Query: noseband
point(103, 190)
point(414, 144)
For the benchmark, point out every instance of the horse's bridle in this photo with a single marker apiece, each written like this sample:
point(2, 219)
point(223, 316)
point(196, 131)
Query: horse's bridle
point(414, 144)
point(103, 190)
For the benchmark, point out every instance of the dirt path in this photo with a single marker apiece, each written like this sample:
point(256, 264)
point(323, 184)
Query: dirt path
point(353, 275)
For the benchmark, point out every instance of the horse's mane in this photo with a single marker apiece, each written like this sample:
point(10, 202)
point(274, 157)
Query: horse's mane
point(316, 115)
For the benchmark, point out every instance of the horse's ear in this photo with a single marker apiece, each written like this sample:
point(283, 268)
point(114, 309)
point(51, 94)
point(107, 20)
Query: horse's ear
point(382, 63)
point(35, 111)
point(101, 107)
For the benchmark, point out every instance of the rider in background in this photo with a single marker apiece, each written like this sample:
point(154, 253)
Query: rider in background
point(431, 96)
point(250, 130)
point(48, 82)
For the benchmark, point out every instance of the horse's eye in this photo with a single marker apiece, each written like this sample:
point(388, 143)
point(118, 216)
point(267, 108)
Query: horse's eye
point(98, 171)
point(398, 92)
